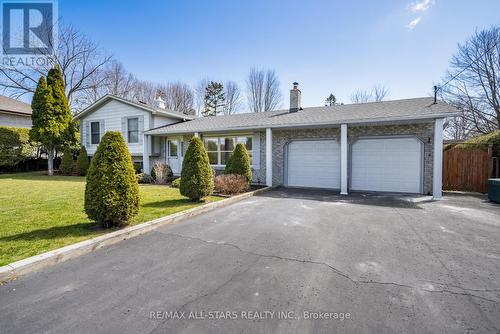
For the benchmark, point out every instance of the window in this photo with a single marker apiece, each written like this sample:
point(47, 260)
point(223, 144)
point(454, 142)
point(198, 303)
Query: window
point(133, 130)
point(172, 149)
point(95, 135)
point(219, 149)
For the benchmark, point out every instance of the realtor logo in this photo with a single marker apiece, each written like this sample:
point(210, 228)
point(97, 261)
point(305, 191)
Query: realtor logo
point(28, 28)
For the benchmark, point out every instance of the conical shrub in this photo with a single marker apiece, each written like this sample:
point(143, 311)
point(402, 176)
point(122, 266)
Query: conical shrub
point(196, 176)
point(66, 166)
point(112, 191)
point(82, 162)
point(239, 163)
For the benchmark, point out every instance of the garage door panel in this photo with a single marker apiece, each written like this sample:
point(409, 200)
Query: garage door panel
point(388, 164)
point(313, 163)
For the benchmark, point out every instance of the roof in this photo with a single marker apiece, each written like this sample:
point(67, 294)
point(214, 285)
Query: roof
point(10, 105)
point(156, 111)
point(386, 111)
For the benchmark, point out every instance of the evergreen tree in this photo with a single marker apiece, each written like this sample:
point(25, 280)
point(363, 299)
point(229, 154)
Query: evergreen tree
point(215, 99)
point(196, 177)
point(51, 118)
point(112, 191)
point(239, 163)
point(82, 162)
point(66, 166)
point(331, 100)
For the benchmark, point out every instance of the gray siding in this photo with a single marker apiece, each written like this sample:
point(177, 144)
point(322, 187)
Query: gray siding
point(15, 120)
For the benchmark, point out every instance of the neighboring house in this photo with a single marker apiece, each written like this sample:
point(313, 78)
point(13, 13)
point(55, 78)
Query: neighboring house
point(132, 119)
point(390, 146)
point(14, 113)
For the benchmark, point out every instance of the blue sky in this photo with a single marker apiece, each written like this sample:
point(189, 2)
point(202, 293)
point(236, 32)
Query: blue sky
point(327, 46)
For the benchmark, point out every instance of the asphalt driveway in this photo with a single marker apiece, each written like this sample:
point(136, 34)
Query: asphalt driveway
point(366, 263)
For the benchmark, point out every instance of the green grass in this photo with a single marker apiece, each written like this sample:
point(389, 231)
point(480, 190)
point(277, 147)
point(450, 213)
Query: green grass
point(39, 213)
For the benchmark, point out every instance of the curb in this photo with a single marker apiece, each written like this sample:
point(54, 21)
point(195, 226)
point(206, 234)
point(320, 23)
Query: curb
point(53, 257)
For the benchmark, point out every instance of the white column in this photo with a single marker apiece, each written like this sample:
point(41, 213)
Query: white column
point(269, 157)
point(437, 172)
point(343, 159)
point(145, 155)
point(196, 134)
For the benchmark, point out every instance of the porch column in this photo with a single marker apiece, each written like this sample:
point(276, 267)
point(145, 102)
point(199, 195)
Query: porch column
point(145, 155)
point(343, 159)
point(437, 163)
point(197, 134)
point(269, 157)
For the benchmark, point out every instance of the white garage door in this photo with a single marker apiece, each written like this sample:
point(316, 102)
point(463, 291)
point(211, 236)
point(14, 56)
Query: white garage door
point(314, 163)
point(390, 164)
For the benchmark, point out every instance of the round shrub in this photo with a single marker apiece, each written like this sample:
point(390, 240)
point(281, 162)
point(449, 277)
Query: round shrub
point(229, 184)
point(82, 162)
point(196, 176)
point(66, 166)
point(144, 178)
point(112, 191)
point(162, 173)
point(176, 183)
point(239, 163)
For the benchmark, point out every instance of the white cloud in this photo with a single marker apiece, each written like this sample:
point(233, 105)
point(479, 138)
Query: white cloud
point(413, 23)
point(421, 6)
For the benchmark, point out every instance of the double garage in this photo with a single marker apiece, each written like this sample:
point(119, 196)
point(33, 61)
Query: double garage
point(390, 164)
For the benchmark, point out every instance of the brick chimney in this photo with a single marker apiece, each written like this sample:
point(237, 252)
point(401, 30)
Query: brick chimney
point(295, 104)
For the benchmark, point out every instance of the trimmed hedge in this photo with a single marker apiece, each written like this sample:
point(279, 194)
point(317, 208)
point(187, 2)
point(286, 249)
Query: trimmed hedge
point(482, 142)
point(66, 166)
point(196, 177)
point(239, 163)
point(82, 162)
point(15, 146)
point(112, 191)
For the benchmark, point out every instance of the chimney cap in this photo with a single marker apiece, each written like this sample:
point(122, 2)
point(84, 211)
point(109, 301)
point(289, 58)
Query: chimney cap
point(295, 83)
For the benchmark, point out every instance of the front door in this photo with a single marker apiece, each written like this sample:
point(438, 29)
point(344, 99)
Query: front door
point(175, 154)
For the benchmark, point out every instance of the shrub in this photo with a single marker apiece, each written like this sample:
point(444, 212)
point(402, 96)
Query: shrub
point(144, 178)
point(176, 183)
point(66, 166)
point(162, 173)
point(15, 146)
point(229, 184)
point(483, 141)
point(111, 192)
point(239, 163)
point(137, 167)
point(82, 162)
point(196, 177)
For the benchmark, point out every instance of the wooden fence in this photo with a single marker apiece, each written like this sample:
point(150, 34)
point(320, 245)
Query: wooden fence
point(468, 169)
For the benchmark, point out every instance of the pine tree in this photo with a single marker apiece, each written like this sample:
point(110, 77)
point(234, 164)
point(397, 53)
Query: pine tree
point(66, 166)
point(82, 162)
point(214, 99)
point(331, 100)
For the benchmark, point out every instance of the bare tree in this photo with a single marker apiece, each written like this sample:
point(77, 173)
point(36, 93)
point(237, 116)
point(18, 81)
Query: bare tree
point(473, 82)
point(78, 57)
point(360, 96)
point(233, 98)
point(178, 97)
point(377, 94)
point(199, 91)
point(263, 92)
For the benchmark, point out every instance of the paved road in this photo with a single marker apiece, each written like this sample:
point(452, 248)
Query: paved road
point(382, 264)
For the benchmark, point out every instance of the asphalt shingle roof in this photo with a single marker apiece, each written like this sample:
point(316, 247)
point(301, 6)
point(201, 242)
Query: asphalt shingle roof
point(12, 105)
point(397, 110)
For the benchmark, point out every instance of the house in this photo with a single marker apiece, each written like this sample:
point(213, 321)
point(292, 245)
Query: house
point(14, 113)
point(390, 146)
point(132, 119)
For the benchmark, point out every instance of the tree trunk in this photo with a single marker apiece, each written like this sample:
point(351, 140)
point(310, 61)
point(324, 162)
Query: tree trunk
point(50, 154)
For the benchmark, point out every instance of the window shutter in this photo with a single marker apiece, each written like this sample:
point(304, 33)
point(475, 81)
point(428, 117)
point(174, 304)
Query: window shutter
point(87, 134)
point(256, 151)
point(102, 128)
point(141, 129)
point(124, 129)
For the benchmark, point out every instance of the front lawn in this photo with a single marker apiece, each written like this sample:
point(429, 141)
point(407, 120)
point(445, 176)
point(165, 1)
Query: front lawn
point(39, 213)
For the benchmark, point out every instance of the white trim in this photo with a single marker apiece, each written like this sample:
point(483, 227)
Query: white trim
point(145, 155)
point(343, 159)
point(269, 157)
point(437, 165)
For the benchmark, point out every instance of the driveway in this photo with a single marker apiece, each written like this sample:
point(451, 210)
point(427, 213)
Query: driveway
point(366, 263)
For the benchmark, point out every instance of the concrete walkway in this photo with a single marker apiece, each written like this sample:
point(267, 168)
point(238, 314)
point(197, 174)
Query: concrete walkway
point(272, 262)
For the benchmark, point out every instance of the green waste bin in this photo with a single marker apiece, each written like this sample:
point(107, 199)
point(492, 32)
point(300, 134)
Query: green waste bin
point(494, 190)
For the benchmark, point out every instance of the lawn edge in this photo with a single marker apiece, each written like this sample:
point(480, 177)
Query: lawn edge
point(35, 263)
